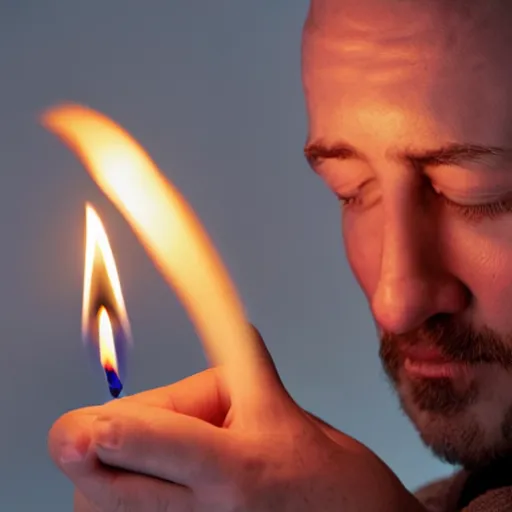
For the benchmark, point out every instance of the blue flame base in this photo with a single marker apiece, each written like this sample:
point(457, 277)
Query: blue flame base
point(115, 385)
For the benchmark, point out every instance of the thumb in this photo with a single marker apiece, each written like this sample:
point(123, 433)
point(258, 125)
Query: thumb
point(267, 362)
point(264, 398)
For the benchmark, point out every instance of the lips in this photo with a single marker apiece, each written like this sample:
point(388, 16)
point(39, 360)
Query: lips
point(425, 354)
point(431, 363)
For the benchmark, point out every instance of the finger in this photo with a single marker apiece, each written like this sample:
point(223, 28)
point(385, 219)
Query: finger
point(103, 489)
point(160, 443)
point(203, 395)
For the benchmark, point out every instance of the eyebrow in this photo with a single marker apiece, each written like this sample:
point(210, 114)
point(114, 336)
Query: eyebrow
point(317, 151)
point(452, 154)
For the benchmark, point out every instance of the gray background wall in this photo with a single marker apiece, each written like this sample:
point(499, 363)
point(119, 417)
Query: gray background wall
point(212, 90)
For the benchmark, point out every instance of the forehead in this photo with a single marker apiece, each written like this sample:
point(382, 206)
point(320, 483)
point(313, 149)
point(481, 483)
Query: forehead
point(423, 76)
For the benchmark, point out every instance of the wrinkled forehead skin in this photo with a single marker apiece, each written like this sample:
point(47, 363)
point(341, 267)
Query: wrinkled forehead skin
point(444, 61)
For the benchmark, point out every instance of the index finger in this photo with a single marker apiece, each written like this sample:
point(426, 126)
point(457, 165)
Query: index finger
point(202, 396)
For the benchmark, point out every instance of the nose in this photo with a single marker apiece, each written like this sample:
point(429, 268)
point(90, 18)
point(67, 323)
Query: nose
point(415, 282)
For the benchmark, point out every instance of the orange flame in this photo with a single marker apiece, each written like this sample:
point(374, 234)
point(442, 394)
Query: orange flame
point(108, 357)
point(103, 302)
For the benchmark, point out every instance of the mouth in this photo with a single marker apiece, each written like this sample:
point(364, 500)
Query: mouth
point(431, 363)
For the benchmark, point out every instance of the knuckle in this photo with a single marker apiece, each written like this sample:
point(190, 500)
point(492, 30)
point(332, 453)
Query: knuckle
point(109, 432)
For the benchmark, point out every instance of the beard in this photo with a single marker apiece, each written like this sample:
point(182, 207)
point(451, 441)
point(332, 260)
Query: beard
point(459, 343)
point(448, 413)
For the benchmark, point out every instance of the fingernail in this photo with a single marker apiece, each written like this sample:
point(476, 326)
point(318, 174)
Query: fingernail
point(105, 433)
point(70, 454)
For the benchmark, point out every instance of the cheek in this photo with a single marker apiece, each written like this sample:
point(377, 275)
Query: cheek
point(363, 245)
point(486, 268)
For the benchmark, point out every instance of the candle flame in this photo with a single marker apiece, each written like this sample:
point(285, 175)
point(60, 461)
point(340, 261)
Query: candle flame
point(105, 324)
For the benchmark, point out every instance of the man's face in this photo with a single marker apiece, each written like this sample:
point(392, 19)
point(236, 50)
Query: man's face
point(411, 127)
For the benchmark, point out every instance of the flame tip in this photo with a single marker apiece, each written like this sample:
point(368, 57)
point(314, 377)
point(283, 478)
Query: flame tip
point(52, 117)
point(89, 209)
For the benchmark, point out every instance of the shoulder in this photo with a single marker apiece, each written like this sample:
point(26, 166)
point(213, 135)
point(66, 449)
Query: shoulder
point(441, 495)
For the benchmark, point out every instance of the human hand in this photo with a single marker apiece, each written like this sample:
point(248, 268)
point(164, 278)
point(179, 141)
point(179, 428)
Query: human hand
point(186, 448)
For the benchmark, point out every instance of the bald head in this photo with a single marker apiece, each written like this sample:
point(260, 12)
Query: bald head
point(421, 28)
